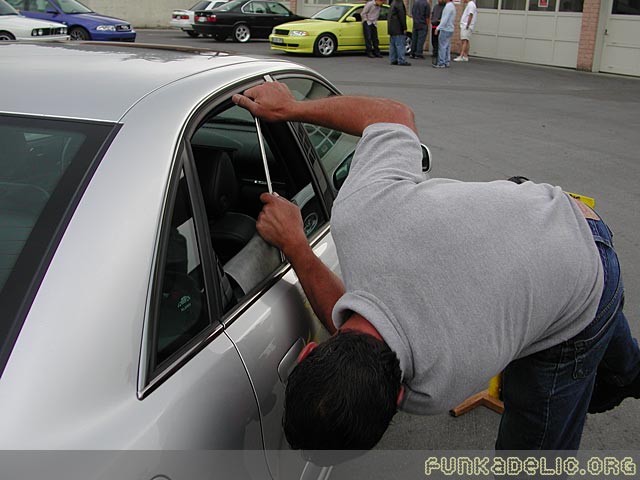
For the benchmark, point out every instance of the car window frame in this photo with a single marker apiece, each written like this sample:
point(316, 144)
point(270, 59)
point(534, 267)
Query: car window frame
point(149, 381)
point(22, 285)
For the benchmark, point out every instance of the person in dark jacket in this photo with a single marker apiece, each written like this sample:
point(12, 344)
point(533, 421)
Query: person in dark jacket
point(397, 29)
point(436, 14)
point(420, 12)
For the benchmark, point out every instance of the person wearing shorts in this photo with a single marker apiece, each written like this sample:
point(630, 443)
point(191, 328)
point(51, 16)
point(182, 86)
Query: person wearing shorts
point(467, 22)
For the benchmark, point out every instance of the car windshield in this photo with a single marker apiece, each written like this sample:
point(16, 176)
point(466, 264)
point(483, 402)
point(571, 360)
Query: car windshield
point(73, 6)
point(200, 6)
point(6, 9)
point(44, 163)
point(332, 13)
point(230, 6)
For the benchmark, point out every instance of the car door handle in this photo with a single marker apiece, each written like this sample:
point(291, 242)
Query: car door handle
point(288, 362)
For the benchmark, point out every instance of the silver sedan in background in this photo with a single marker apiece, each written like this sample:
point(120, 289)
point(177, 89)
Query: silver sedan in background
point(140, 309)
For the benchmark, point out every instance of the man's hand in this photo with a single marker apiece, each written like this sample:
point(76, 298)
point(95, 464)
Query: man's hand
point(280, 224)
point(271, 101)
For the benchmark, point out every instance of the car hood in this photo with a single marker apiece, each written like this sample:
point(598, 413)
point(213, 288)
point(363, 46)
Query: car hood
point(305, 23)
point(96, 19)
point(18, 21)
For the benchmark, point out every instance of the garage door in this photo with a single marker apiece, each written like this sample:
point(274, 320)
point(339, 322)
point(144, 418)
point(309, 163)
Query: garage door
point(535, 31)
point(621, 47)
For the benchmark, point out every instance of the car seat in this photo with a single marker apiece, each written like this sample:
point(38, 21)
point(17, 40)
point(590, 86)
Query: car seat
point(230, 231)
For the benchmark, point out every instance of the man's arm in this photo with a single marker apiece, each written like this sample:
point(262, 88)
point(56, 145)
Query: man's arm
point(273, 102)
point(280, 224)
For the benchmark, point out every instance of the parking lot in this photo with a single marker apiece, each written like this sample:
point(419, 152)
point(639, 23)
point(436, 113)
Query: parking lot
point(487, 120)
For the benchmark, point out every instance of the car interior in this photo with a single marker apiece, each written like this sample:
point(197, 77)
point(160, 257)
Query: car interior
point(231, 174)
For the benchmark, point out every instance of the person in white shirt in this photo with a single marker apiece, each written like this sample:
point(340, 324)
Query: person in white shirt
point(467, 22)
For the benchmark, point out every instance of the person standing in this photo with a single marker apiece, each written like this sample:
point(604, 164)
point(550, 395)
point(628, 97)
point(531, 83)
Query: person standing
point(420, 12)
point(445, 32)
point(467, 22)
point(397, 30)
point(370, 14)
point(436, 14)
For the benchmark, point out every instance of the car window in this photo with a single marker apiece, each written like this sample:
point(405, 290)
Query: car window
point(227, 7)
point(200, 5)
point(6, 9)
point(357, 14)
point(277, 9)
point(255, 7)
point(333, 13)
point(335, 149)
point(16, 4)
point(232, 175)
point(72, 6)
point(44, 166)
point(182, 311)
point(39, 6)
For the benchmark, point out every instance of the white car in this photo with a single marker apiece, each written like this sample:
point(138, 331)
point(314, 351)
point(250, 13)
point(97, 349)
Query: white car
point(183, 19)
point(14, 26)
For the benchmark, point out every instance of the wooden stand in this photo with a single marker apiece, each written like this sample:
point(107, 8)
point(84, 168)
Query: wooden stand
point(489, 398)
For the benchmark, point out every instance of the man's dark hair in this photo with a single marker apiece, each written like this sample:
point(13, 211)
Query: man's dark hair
point(343, 395)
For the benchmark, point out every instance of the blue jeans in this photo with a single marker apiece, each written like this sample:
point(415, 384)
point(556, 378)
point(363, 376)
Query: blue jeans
point(370, 38)
point(397, 49)
point(444, 47)
point(546, 395)
point(417, 41)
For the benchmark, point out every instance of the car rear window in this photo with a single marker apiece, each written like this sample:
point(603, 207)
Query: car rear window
point(44, 167)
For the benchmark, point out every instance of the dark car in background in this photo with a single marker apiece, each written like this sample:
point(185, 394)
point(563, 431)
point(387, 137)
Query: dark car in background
point(242, 19)
point(82, 22)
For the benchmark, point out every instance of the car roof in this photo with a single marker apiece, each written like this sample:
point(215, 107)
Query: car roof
point(101, 80)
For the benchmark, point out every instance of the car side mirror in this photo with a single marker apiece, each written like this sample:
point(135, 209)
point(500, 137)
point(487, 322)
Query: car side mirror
point(52, 11)
point(351, 19)
point(426, 158)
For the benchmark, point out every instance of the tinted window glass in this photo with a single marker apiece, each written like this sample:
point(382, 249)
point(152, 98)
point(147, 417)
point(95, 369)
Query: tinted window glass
point(626, 7)
point(493, 4)
point(571, 5)
point(334, 148)
point(43, 169)
point(183, 311)
point(277, 9)
point(513, 4)
point(6, 9)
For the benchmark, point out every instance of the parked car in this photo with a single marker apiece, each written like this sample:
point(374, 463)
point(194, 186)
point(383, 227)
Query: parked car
point(183, 19)
point(14, 26)
point(242, 19)
point(82, 22)
point(140, 309)
point(337, 28)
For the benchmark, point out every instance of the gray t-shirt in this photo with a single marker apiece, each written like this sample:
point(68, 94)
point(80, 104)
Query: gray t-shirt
point(459, 278)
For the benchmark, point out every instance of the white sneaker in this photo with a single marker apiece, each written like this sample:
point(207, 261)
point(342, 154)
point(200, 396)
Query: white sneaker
point(459, 59)
point(464, 59)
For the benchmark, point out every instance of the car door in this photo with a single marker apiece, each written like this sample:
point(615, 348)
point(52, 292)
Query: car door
point(351, 34)
point(258, 19)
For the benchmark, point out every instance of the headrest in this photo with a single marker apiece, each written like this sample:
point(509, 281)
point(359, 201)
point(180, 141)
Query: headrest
point(219, 183)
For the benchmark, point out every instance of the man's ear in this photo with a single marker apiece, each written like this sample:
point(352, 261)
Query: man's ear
point(306, 351)
point(400, 395)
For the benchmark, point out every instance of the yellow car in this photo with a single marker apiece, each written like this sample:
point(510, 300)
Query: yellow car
point(337, 28)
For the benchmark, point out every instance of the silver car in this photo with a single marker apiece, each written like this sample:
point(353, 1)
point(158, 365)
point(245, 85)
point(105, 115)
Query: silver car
point(140, 309)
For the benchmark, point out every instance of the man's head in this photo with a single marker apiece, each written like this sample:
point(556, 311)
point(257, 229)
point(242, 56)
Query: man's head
point(343, 394)
point(379, 2)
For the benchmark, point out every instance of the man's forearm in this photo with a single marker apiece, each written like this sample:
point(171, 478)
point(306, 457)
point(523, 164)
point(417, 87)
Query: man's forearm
point(274, 103)
point(322, 287)
point(352, 114)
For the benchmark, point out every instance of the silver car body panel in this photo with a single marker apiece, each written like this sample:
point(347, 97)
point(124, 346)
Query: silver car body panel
point(73, 378)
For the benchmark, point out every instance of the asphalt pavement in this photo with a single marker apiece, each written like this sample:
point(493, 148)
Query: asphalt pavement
point(487, 120)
